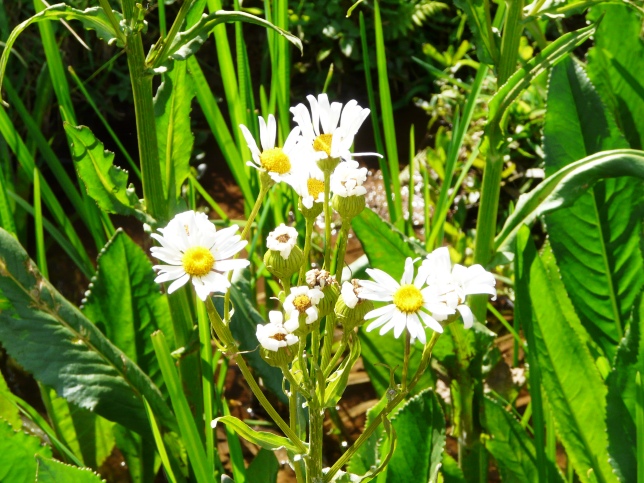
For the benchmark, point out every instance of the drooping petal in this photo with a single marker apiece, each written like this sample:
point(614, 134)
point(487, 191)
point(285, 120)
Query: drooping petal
point(178, 283)
point(430, 322)
point(250, 140)
point(468, 316)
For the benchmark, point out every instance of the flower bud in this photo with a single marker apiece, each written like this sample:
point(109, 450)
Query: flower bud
point(276, 340)
point(312, 212)
point(350, 309)
point(279, 358)
point(284, 268)
point(348, 206)
point(324, 281)
point(328, 164)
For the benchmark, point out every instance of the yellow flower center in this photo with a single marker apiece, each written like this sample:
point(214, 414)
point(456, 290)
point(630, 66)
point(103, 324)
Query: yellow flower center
point(302, 302)
point(408, 299)
point(323, 143)
point(315, 187)
point(198, 261)
point(275, 160)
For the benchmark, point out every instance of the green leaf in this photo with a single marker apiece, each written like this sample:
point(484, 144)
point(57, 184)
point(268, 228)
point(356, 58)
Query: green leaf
point(452, 473)
point(566, 185)
point(188, 42)
point(336, 383)
point(522, 78)
point(9, 411)
point(263, 468)
point(172, 106)
point(263, 439)
point(366, 457)
point(615, 64)
point(54, 341)
point(17, 451)
point(126, 305)
point(385, 246)
point(597, 240)
point(480, 23)
point(52, 471)
point(572, 383)
point(621, 401)
point(511, 446)
point(420, 446)
point(93, 18)
point(89, 436)
point(105, 183)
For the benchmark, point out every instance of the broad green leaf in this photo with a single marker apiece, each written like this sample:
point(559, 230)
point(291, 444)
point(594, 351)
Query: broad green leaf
point(522, 78)
point(52, 471)
point(366, 457)
point(450, 470)
point(263, 439)
point(105, 183)
point(511, 446)
point(125, 303)
point(566, 185)
point(243, 326)
point(420, 428)
point(54, 341)
point(9, 412)
point(597, 240)
point(17, 451)
point(572, 383)
point(139, 454)
point(621, 400)
point(89, 436)
point(478, 17)
point(385, 246)
point(188, 42)
point(93, 18)
point(383, 353)
point(263, 468)
point(172, 106)
point(615, 65)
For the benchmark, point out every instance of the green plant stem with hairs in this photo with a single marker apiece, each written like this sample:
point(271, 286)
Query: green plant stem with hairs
point(391, 405)
point(342, 248)
point(307, 250)
point(327, 219)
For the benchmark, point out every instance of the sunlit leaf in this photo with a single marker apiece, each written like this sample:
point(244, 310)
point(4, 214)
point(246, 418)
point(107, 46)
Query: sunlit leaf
point(52, 471)
point(263, 439)
point(17, 451)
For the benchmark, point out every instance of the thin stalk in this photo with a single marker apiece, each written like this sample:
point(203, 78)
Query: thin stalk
point(316, 433)
point(424, 363)
point(327, 220)
point(105, 5)
point(328, 368)
point(207, 375)
point(41, 258)
point(146, 131)
point(342, 248)
point(405, 369)
point(307, 249)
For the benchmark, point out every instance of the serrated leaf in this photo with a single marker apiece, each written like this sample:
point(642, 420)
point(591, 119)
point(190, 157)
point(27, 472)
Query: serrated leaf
point(621, 400)
point(262, 439)
point(52, 471)
point(597, 240)
point(511, 446)
point(93, 18)
point(17, 451)
point(419, 447)
point(9, 412)
point(565, 186)
point(481, 25)
point(105, 183)
point(572, 383)
point(188, 42)
point(615, 64)
point(172, 106)
point(53, 340)
point(126, 305)
point(385, 246)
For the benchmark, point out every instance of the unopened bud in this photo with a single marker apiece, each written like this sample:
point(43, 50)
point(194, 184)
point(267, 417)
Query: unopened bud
point(348, 206)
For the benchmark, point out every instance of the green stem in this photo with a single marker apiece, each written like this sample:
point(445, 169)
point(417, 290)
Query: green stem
point(342, 248)
point(327, 220)
point(146, 131)
point(328, 368)
point(424, 363)
point(307, 250)
point(406, 360)
point(105, 5)
point(329, 327)
point(316, 432)
point(207, 374)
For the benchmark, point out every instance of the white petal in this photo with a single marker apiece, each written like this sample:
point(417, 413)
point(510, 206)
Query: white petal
point(271, 132)
point(387, 309)
point(430, 322)
point(408, 274)
point(180, 282)
point(250, 140)
point(228, 265)
point(468, 316)
point(383, 278)
point(315, 114)
point(292, 139)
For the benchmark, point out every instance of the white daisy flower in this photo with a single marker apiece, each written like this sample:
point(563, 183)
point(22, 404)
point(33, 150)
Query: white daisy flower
point(282, 239)
point(274, 335)
point(455, 284)
point(350, 295)
point(194, 249)
point(308, 183)
point(302, 301)
point(413, 304)
point(328, 128)
point(278, 162)
point(347, 180)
